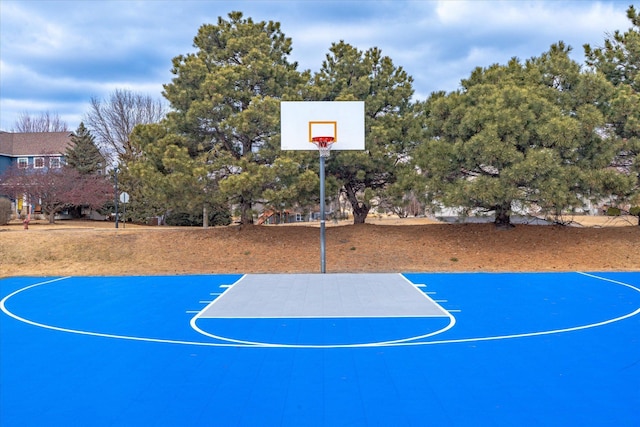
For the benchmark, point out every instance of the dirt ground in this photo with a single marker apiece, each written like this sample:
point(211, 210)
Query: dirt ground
point(382, 245)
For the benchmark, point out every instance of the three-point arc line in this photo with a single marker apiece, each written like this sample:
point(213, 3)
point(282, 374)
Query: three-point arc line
point(232, 343)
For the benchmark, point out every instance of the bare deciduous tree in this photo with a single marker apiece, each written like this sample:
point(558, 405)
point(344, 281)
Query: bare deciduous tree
point(112, 120)
point(45, 122)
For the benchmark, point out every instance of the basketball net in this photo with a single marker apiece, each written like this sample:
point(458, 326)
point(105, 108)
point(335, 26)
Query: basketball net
point(324, 144)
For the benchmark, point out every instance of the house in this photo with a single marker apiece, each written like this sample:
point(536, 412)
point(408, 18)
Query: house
point(279, 217)
point(33, 150)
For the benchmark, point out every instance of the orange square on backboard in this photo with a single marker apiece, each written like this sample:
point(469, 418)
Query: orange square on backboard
point(329, 129)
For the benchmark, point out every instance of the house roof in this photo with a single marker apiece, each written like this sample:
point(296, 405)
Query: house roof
point(34, 143)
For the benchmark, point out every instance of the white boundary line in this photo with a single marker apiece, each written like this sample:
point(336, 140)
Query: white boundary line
point(424, 294)
point(3, 307)
point(228, 342)
point(452, 322)
point(442, 312)
point(550, 332)
point(404, 342)
point(593, 276)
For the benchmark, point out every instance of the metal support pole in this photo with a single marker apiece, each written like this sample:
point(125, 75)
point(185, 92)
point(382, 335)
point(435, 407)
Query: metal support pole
point(115, 175)
point(322, 233)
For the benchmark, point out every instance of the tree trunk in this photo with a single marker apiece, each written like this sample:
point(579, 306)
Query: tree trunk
point(205, 217)
point(503, 216)
point(246, 217)
point(360, 209)
point(360, 213)
point(52, 217)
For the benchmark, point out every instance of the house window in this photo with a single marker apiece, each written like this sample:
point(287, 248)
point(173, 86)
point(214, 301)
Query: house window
point(54, 163)
point(23, 163)
point(38, 162)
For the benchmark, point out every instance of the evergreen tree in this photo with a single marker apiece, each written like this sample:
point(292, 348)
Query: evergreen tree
point(225, 98)
point(619, 61)
point(349, 74)
point(619, 58)
point(167, 179)
point(84, 155)
point(519, 135)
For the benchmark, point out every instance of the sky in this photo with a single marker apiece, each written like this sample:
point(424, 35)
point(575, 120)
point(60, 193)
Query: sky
point(56, 55)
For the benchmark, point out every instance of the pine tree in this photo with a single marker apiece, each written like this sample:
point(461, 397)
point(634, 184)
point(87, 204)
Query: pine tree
point(225, 100)
point(519, 136)
point(84, 155)
point(347, 73)
point(619, 62)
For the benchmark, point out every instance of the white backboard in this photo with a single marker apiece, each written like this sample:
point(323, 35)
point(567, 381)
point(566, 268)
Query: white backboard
point(302, 120)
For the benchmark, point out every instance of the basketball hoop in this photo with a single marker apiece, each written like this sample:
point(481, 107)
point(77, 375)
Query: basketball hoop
point(324, 144)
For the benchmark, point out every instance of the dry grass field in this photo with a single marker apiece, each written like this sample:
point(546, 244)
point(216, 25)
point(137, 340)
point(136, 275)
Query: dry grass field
point(382, 245)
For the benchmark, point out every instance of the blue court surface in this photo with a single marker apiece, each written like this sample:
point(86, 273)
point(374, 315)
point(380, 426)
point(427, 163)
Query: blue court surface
point(445, 349)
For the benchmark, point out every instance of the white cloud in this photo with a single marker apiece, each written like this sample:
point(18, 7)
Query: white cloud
point(33, 34)
point(60, 53)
